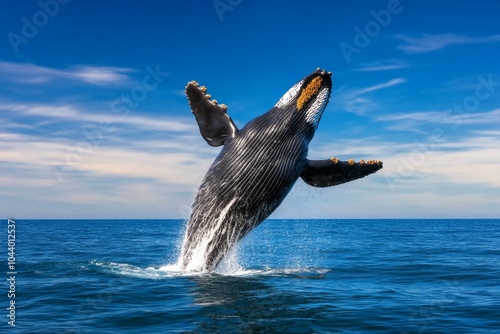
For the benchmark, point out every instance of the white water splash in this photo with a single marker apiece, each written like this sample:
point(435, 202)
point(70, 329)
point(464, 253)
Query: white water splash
point(230, 263)
point(173, 271)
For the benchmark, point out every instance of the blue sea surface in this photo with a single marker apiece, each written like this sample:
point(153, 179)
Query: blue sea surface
point(287, 276)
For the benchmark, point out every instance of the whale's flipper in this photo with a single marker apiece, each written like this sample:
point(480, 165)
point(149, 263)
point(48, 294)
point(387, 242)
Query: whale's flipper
point(215, 125)
point(331, 172)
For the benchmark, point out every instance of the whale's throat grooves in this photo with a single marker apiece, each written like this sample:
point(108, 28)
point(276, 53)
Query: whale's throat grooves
point(245, 184)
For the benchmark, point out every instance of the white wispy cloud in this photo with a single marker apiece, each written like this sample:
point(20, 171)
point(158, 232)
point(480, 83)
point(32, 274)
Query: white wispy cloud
point(67, 113)
point(157, 177)
point(151, 176)
point(450, 179)
point(417, 116)
point(382, 85)
point(354, 99)
point(34, 74)
point(444, 117)
point(384, 65)
point(148, 163)
point(429, 43)
point(466, 160)
point(472, 160)
point(167, 149)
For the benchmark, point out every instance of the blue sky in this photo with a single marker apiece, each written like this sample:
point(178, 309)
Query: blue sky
point(94, 122)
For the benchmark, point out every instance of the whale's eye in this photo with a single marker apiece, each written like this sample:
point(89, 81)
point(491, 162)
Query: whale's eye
point(311, 89)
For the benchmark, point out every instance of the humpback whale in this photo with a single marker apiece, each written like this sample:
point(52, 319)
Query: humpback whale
point(257, 167)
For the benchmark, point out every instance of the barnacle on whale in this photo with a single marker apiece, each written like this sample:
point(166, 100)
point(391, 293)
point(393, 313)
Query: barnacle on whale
point(308, 92)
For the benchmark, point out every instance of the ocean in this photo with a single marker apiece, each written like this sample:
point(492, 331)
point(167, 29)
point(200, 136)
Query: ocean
point(286, 276)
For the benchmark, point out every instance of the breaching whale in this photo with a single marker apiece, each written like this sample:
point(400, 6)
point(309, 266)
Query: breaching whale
point(257, 167)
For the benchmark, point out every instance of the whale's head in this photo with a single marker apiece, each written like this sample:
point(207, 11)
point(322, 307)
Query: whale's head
point(308, 98)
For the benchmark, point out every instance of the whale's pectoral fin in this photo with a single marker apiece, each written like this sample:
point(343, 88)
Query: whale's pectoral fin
point(331, 172)
point(214, 123)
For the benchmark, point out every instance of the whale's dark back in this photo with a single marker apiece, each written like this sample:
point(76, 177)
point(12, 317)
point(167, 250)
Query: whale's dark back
point(245, 184)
